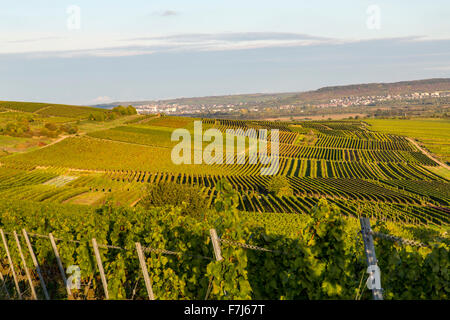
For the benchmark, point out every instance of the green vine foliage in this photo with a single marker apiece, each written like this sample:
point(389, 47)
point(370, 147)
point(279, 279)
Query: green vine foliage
point(321, 259)
point(178, 276)
point(320, 264)
point(411, 273)
point(229, 277)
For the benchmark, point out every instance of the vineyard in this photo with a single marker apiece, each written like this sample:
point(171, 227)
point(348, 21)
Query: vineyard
point(46, 109)
point(345, 163)
point(181, 264)
point(93, 185)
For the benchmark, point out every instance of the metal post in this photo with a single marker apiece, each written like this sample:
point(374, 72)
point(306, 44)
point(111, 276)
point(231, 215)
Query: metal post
point(147, 281)
point(373, 282)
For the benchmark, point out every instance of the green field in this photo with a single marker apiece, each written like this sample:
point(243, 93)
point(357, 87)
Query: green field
point(145, 135)
point(7, 140)
point(433, 133)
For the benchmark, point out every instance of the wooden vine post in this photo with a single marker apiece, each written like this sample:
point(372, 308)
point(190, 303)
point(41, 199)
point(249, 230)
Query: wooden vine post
point(216, 244)
point(100, 268)
point(24, 262)
point(36, 264)
point(148, 284)
point(4, 285)
point(218, 255)
point(11, 265)
point(60, 266)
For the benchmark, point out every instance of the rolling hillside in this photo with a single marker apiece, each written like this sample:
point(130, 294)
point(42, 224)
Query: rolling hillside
point(322, 94)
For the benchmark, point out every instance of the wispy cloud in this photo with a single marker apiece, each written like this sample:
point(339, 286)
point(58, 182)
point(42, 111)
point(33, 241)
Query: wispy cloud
point(234, 37)
point(438, 68)
point(165, 13)
point(169, 13)
point(131, 46)
point(33, 40)
point(101, 99)
point(92, 46)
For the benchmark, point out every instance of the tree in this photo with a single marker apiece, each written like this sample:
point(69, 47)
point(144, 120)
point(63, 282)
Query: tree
point(279, 186)
point(131, 110)
point(123, 111)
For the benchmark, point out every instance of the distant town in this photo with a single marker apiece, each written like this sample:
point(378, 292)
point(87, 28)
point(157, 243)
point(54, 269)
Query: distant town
point(372, 100)
point(189, 109)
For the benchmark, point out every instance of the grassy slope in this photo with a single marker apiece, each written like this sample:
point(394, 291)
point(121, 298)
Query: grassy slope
point(86, 126)
point(157, 132)
point(443, 172)
point(149, 135)
point(42, 113)
point(94, 154)
point(50, 109)
point(434, 133)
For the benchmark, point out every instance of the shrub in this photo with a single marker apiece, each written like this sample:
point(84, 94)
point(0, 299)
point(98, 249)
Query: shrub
point(167, 193)
point(17, 129)
point(51, 126)
point(279, 186)
point(47, 133)
point(131, 110)
point(124, 110)
point(68, 128)
point(100, 116)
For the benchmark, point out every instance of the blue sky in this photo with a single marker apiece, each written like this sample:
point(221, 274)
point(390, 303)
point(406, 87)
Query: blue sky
point(131, 50)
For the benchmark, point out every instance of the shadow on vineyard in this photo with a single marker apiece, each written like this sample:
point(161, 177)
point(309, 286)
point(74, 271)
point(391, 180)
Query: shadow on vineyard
point(318, 264)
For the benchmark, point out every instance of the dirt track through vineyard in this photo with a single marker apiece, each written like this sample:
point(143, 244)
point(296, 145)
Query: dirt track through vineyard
point(428, 154)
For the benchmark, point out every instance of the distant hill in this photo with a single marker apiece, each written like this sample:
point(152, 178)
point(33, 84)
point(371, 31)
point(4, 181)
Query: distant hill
point(51, 109)
point(209, 100)
point(403, 87)
point(107, 106)
point(319, 95)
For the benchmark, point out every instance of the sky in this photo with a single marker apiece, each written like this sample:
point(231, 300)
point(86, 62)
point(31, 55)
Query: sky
point(91, 52)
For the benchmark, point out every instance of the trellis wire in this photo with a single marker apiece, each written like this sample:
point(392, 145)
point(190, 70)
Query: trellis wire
point(225, 241)
point(107, 246)
point(399, 240)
